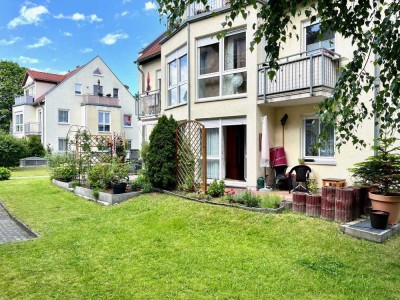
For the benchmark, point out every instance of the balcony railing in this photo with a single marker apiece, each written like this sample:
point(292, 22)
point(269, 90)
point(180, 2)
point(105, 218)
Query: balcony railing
point(22, 99)
point(199, 8)
point(300, 72)
point(33, 128)
point(149, 104)
point(100, 100)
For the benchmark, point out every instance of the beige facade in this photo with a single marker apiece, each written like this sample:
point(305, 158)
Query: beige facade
point(233, 119)
point(91, 96)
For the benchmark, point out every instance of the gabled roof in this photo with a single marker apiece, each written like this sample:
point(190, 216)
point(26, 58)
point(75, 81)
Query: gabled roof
point(151, 51)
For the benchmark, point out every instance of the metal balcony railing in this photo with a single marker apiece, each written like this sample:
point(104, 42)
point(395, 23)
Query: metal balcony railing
point(33, 128)
point(299, 72)
point(149, 104)
point(23, 99)
point(100, 100)
point(199, 8)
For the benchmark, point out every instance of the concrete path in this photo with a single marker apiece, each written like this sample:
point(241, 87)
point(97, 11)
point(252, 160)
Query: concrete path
point(10, 231)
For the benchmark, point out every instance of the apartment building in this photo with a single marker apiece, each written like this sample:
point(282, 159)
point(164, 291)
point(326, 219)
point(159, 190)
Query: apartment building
point(192, 75)
point(91, 95)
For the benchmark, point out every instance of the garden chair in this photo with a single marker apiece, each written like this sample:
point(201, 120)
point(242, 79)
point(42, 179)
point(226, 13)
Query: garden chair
point(302, 174)
point(280, 174)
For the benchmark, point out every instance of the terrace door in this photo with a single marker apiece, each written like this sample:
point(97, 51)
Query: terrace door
point(235, 151)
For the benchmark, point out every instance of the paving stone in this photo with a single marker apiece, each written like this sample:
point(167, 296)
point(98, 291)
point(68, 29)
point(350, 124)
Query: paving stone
point(10, 231)
point(362, 229)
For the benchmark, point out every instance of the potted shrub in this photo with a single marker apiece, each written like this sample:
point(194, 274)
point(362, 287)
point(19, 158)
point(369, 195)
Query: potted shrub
point(383, 172)
point(119, 177)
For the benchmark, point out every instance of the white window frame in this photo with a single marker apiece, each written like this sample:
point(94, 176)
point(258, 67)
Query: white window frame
point(19, 122)
point(63, 110)
point(103, 123)
point(115, 93)
point(307, 23)
point(176, 56)
point(65, 143)
point(312, 158)
point(78, 89)
point(158, 78)
point(221, 73)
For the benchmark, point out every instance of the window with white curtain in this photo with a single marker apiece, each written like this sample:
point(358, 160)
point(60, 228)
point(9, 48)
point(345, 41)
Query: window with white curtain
point(213, 159)
point(177, 68)
point(62, 144)
point(312, 128)
point(222, 66)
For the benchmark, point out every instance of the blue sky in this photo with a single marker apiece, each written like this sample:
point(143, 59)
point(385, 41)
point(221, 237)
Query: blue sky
point(57, 35)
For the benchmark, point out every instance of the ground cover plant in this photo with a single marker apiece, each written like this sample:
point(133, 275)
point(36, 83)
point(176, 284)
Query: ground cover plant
point(158, 246)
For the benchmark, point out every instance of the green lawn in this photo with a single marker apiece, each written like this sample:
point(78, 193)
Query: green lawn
point(158, 246)
point(29, 171)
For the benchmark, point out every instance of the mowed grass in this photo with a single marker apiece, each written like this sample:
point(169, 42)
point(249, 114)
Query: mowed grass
point(29, 171)
point(157, 247)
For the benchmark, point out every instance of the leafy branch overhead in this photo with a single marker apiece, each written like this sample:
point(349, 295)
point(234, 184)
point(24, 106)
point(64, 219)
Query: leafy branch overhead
point(371, 26)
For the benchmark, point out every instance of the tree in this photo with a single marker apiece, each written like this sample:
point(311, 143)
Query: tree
point(161, 156)
point(12, 150)
point(372, 26)
point(11, 76)
point(35, 146)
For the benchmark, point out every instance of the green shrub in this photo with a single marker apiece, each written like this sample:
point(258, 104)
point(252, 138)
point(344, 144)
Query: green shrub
point(99, 176)
point(270, 200)
point(55, 160)
point(5, 173)
point(247, 198)
point(119, 172)
point(147, 188)
point(12, 150)
point(216, 189)
point(144, 151)
point(160, 159)
point(65, 172)
point(35, 146)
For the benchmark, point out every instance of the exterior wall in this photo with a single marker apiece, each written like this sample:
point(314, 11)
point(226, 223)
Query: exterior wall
point(29, 115)
point(149, 68)
point(42, 87)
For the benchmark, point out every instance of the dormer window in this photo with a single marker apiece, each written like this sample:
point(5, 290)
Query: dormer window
point(97, 72)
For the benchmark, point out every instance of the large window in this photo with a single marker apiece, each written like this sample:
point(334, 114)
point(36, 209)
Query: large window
point(222, 66)
point(62, 144)
point(104, 121)
point(315, 39)
point(19, 122)
point(177, 77)
point(312, 128)
point(63, 116)
point(213, 153)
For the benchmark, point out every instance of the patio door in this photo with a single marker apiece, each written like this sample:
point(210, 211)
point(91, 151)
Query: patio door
point(235, 151)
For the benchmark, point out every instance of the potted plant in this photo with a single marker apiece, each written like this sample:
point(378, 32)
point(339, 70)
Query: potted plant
point(119, 177)
point(382, 171)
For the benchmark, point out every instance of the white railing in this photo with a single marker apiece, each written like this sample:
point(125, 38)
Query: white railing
point(22, 99)
point(199, 8)
point(149, 104)
point(33, 128)
point(306, 70)
point(100, 100)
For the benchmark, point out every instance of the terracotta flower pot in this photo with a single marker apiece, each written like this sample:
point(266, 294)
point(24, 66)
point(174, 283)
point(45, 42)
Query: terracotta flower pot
point(391, 204)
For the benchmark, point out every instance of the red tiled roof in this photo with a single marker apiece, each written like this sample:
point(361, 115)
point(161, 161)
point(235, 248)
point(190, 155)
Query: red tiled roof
point(151, 50)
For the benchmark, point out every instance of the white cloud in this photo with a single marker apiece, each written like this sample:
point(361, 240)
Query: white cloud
point(149, 5)
point(80, 17)
point(4, 42)
point(27, 16)
point(124, 13)
point(126, 1)
point(28, 60)
point(112, 38)
point(66, 33)
point(86, 50)
point(94, 18)
point(43, 41)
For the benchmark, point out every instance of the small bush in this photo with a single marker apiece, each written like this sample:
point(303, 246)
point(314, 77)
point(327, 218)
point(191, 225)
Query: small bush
point(229, 196)
point(99, 176)
point(12, 150)
point(35, 146)
point(247, 198)
point(5, 173)
point(96, 193)
point(147, 188)
point(216, 189)
point(65, 172)
point(270, 201)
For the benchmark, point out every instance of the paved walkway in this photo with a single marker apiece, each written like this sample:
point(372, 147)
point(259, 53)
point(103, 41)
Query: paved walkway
point(10, 231)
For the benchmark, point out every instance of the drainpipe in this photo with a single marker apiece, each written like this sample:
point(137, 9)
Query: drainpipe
point(188, 69)
point(140, 70)
point(376, 91)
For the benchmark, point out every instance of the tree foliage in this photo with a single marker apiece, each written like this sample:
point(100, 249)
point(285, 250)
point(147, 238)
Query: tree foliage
point(161, 155)
point(12, 150)
point(35, 146)
point(11, 76)
point(371, 26)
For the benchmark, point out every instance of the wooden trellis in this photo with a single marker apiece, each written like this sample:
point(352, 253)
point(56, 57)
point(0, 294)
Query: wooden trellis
point(191, 149)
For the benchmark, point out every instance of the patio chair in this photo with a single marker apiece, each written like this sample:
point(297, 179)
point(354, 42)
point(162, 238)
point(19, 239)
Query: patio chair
point(302, 174)
point(280, 175)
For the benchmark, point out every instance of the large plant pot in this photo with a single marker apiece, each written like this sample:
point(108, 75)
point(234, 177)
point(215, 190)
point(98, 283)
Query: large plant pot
point(379, 219)
point(118, 188)
point(391, 204)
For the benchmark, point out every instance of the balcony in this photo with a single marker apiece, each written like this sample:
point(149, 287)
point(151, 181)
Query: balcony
point(33, 128)
point(149, 104)
point(307, 77)
point(199, 8)
point(22, 99)
point(99, 100)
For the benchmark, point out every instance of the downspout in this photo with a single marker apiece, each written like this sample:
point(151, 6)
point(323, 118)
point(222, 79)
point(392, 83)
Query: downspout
point(189, 60)
point(140, 70)
point(376, 91)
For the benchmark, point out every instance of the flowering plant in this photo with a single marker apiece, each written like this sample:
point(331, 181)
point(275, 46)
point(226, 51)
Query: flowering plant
point(229, 195)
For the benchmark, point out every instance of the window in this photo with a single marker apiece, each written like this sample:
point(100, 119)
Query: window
point(62, 144)
point(315, 39)
point(98, 90)
point(78, 89)
point(97, 72)
point(115, 93)
point(177, 77)
point(222, 66)
point(127, 120)
point(312, 128)
point(63, 116)
point(104, 121)
point(128, 145)
point(19, 123)
point(158, 76)
point(213, 153)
